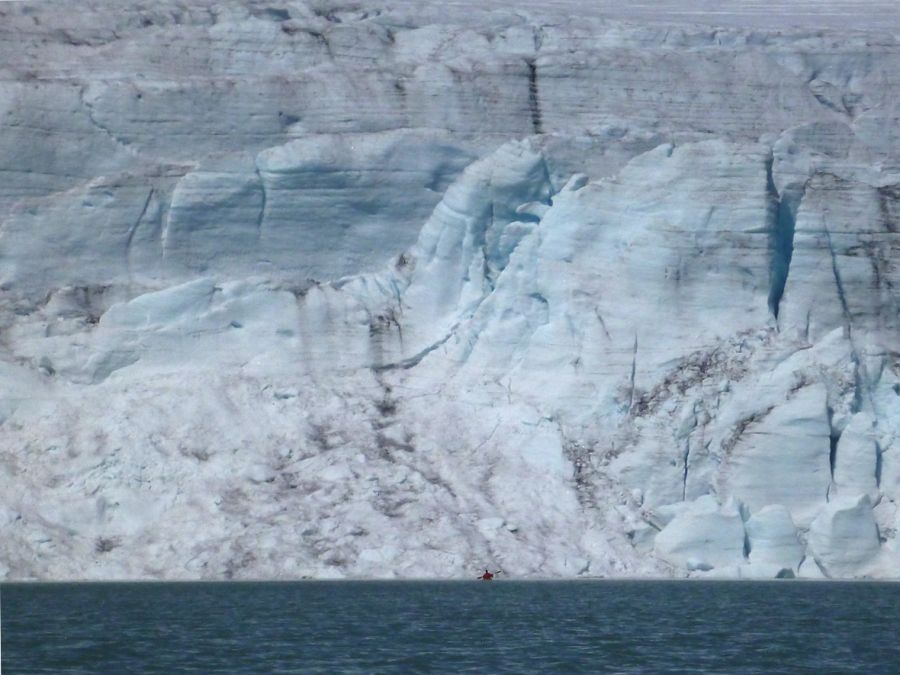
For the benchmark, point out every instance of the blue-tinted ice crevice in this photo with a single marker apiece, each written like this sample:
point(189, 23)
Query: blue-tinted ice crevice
point(782, 216)
point(534, 103)
point(465, 247)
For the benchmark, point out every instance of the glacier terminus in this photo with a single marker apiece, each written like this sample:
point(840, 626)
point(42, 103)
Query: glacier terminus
point(337, 289)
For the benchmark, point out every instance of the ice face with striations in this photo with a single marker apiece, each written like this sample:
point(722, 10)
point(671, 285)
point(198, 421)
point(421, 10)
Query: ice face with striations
point(372, 289)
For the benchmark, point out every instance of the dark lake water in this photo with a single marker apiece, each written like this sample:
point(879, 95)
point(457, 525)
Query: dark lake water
point(406, 627)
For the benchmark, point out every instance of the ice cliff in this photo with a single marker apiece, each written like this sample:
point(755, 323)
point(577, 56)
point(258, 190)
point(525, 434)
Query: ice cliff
point(410, 289)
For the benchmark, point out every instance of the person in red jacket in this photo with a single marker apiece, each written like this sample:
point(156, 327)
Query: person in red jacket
point(487, 576)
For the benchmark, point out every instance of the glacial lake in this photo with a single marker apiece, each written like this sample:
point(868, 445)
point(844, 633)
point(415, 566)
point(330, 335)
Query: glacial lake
point(451, 627)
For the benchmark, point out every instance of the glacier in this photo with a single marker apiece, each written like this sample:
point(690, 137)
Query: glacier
point(383, 289)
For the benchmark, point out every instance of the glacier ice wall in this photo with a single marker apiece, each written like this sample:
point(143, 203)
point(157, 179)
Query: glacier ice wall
point(357, 289)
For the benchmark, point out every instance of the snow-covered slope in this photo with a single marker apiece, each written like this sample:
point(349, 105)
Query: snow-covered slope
point(329, 289)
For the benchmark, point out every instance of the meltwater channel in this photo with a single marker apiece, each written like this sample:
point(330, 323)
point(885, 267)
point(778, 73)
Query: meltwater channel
point(451, 627)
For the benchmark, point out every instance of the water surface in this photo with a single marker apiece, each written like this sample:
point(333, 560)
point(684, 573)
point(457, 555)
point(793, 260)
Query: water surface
point(401, 627)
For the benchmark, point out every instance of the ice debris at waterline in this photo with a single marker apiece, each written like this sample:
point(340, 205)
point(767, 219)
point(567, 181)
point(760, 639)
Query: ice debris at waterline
point(650, 326)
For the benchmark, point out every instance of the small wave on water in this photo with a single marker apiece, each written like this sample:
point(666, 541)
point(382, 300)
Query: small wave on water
point(403, 627)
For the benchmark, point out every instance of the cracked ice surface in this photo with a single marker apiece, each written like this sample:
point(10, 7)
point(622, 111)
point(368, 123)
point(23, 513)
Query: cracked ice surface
point(368, 291)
